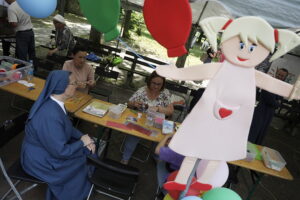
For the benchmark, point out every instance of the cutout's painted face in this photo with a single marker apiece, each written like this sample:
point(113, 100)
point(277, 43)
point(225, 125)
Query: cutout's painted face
point(239, 54)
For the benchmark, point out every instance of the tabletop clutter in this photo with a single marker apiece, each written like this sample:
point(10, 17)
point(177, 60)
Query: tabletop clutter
point(115, 111)
point(153, 119)
point(12, 70)
point(271, 158)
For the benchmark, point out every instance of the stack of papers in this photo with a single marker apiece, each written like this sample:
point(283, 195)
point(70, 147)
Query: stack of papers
point(97, 108)
point(27, 84)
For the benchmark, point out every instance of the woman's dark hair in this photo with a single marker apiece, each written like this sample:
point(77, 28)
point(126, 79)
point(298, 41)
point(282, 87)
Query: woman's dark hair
point(154, 75)
point(78, 48)
point(283, 69)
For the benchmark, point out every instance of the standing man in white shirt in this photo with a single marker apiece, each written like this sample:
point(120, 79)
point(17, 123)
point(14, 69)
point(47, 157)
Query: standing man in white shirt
point(25, 47)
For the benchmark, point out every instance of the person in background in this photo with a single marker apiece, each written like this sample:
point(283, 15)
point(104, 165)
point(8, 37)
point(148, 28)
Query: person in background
point(25, 47)
point(210, 55)
point(53, 150)
point(264, 111)
point(5, 28)
point(220, 56)
point(205, 45)
point(154, 97)
point(196, 96)
point(82, 72)
point(168, 161)
point(64, 40)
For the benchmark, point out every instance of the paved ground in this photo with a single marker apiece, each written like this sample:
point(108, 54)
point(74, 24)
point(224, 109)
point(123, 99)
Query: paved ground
point(271, 188)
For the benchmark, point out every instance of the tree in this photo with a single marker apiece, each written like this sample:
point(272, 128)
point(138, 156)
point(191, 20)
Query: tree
point(95, 36)
point(181, 60)
point(61, 7)
point(127, 24)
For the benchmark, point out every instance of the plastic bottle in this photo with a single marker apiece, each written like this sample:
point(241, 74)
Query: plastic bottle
point(30, 74)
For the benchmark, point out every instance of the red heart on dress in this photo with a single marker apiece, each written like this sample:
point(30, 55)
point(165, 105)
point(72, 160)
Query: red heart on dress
point(224, 112)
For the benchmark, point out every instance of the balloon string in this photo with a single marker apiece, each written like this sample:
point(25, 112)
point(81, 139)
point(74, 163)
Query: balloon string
point(138, 55)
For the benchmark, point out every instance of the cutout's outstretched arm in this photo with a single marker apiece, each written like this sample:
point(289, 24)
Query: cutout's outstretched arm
point(295, 94)
point(196, 72)
point(273, 85)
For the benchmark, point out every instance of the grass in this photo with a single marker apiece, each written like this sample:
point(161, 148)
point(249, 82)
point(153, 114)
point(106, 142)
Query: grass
point(142, 44)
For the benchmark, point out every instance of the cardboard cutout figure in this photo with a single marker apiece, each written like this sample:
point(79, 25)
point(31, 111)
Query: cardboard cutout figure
point(217, 128)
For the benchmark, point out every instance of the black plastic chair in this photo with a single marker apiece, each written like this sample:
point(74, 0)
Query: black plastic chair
point(102, 72)
point(159, 195)
point(184, 93)
point(12, 127)
point(143, 146)
point(113, 179)
point(17, 173)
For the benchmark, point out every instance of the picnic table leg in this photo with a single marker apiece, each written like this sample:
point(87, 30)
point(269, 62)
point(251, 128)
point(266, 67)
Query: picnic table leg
point(100, 133)
point(256, 182)
point(188, 184)
point(101, 144)
point(107, 142)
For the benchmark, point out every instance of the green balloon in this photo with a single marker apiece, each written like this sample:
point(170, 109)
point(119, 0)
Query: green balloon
point(221, 194)
point(103, 15)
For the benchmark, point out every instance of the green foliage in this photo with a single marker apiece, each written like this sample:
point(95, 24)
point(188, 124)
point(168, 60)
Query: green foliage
point(196, 51)
point(137, 23)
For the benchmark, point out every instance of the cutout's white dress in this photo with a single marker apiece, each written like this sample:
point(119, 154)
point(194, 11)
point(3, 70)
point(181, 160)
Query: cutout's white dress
point(217, 128)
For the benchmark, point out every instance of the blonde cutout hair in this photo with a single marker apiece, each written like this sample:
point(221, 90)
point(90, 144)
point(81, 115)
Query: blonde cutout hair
point(255, 29)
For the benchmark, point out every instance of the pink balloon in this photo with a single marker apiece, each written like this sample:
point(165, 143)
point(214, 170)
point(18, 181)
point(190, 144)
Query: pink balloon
point(213, 172)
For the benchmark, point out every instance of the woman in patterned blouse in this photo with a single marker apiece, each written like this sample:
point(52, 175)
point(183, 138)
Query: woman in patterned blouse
point(154, 97)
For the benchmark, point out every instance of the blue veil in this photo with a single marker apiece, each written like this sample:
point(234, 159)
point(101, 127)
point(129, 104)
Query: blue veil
point(56, 83)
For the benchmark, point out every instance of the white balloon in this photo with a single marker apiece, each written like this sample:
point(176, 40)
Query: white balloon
point(213, 172)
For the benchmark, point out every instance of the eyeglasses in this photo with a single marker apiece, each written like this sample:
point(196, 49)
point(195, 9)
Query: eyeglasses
point(156, 84)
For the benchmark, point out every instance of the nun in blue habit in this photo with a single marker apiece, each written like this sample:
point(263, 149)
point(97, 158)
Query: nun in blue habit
point(53, 150)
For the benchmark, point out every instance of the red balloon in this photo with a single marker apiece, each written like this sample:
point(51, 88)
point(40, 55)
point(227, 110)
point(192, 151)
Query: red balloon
point(175, 193)
point(169, 22)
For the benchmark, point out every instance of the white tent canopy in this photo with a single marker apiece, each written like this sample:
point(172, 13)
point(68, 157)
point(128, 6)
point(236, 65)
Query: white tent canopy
point(279, 13)
point(211, 9)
